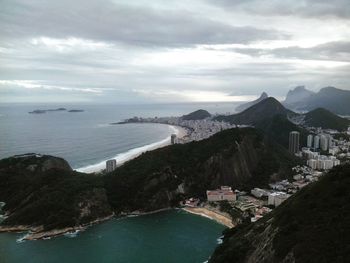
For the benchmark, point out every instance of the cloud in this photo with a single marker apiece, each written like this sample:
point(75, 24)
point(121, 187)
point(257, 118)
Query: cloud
point(30, 84)
point(302, 8)
point(331, 51)
point(119, 23)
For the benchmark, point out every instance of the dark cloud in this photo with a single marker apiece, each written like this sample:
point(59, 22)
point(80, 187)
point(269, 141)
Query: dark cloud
point(107, 21)
point(332, 51)
point(303, 8)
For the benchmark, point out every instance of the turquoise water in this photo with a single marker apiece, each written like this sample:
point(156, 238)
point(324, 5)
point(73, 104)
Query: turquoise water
point(171, 236)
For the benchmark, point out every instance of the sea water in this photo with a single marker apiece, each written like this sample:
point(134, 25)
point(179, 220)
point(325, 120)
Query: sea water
point(87, 139)
point(170, 236)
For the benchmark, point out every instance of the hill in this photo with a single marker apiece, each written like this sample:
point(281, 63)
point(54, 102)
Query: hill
point(271, 117)
point(311, 226)
point(265, 109)
point(42, 192)
point(196, 115)
point(245, 106)
point(327, 120)
point(330, 98)
point(237, 157)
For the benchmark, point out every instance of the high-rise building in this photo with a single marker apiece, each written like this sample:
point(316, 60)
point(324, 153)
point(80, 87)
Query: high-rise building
point(294, 141)
point(310, 138)
point(324, 143)
point(111, 165)
point(173, 138)
point(317, 142)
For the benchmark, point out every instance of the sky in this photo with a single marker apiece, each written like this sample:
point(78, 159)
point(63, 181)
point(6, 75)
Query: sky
point(160, 51)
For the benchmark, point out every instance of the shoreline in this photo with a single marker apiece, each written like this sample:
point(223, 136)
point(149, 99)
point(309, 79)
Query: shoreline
point(204, 212)
point(135, 152)
point(37, 233)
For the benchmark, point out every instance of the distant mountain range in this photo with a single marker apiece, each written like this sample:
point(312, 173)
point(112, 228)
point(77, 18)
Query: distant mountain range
point(330, 98)
point(247, 105)
point(271, 117)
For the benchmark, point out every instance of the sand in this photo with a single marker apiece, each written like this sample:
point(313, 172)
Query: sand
point(218, 217)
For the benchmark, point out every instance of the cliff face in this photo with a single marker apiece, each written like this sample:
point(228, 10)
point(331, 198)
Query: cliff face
point(311, 226)
point(234, 169)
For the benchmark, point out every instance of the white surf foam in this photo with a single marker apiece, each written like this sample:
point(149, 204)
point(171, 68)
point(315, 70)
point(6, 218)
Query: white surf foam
point(126, 156)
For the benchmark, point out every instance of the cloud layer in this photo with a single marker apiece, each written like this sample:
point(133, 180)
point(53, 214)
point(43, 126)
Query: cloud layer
point(199, 50)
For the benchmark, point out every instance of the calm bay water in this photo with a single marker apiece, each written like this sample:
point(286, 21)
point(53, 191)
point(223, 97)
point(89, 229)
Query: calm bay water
point(172, 236)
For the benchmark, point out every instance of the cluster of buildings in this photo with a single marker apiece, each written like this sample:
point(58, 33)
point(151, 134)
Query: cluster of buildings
point(320, 152)
point(322, 162)
point(322, 142)
point(202, 129)
point(197, 129)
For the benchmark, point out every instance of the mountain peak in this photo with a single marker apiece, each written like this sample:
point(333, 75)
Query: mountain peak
point(297, 94)
point(245, 106)
point(264, 95)
point(262, 110)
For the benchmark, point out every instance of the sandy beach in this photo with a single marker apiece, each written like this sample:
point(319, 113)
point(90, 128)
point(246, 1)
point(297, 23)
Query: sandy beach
point(133, 153)
point(218, 217)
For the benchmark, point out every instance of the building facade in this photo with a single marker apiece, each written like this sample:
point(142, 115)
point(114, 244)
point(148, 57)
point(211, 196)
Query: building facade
point(224, 193)
point(310, 139)
point(111, 165)
point(294, 141)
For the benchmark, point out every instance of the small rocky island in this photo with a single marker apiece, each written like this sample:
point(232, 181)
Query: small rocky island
point(76, 111)
point(54, 110)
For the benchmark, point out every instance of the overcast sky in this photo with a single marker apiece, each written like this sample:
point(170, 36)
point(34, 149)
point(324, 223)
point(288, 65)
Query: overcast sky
point(170, 51)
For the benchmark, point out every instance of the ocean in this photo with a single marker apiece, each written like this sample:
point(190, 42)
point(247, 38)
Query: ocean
point(171, 236)
point(86, 139)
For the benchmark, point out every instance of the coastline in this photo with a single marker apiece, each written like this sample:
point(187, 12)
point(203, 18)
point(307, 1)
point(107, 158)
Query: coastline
point(135, 152)
point(35, 233)
point(218, 217)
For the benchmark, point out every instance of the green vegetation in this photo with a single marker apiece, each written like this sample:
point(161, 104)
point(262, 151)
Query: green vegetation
point(196, 115)
point(311, 226)
point(37, 191)
point(235, 214)
point(53, 198)
point(237, 157)
point(327, 120)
